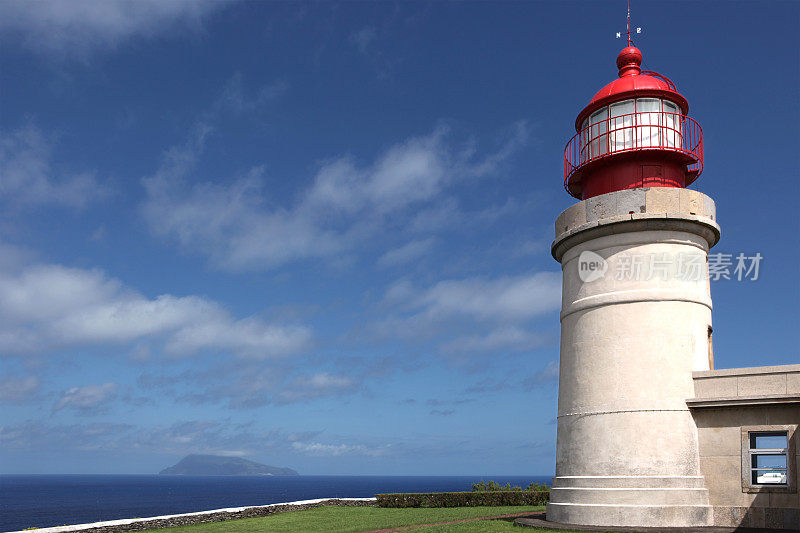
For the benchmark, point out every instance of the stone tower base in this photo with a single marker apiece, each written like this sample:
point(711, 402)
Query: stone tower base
point(635, 324)
point(643, 501)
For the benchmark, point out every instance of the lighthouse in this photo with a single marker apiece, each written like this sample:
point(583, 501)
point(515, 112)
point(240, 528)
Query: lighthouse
point(636, 308)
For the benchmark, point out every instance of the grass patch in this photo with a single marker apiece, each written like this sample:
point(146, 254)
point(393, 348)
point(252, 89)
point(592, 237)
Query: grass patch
point(356, 519)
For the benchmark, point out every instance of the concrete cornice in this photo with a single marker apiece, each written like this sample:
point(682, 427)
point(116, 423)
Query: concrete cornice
point(645, 209)
point(743, 386)
point(748, 371)
point(744, 401)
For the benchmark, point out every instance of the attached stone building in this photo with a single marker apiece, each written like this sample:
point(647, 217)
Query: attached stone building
point(738, 413)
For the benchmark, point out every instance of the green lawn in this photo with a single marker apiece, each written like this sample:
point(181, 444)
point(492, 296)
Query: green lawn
point(355, 519)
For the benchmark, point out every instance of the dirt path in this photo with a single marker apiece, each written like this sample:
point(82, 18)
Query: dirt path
point(407, 528)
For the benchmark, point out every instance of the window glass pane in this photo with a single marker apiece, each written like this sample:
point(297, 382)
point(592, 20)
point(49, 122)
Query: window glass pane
point(600, 114)
point(621, 108)
point(762, 461)
point(648, 105)
point(648, 119)
point(768, 440)
point(766, 477)
point(672, 134)
point(621, 126)
point(598, 139)
point(584, 141)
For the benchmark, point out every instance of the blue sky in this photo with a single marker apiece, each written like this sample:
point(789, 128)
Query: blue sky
point(317, 235)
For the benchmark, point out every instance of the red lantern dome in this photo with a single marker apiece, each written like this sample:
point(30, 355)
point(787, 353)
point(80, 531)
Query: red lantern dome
point(635, 132)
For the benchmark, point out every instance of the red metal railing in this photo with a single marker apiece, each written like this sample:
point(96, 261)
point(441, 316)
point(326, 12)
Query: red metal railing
point(668, 81)
point(643, 130)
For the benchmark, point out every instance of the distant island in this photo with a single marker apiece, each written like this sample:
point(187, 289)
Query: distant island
point(219, 465)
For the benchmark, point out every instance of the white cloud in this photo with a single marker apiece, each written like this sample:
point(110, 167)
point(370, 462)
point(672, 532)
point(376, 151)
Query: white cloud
point(232, 224)
point(246, 384)
point(46, 306)
point(407, 173)
point(15, 389)
point(400, 292)
point(472, 317)
point(247, 337)
point(335, 450)
point(239, 228)
point(79, 27)
point(87, 399)
point(199, 436)
point(503, 338)
point(35, 435)
point(504, 299)
point(547, 374)
point(407, 253)
point(179, 438)
point(28, 177)
point(317, 385)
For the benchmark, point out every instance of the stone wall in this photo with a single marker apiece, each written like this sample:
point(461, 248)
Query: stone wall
point(202, 517)
point(747, 384)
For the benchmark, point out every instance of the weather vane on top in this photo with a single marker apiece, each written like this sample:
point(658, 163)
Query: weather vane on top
point(628, 33)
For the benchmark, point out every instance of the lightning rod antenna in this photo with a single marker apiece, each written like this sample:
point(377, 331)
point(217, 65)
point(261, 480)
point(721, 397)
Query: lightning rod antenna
point(629, 23)
point(628, 27)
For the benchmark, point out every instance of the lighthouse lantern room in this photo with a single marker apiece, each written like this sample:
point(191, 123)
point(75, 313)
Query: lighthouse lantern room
point(635, 132)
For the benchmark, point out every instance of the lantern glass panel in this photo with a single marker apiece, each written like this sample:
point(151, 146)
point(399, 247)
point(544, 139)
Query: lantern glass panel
point(648, 121)
point(673, 136)
point(621, 125)
point(598, 139)
point(584, 146)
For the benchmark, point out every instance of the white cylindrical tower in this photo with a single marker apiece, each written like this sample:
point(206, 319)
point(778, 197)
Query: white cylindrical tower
point(636, 310)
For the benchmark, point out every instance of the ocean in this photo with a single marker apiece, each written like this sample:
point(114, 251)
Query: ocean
point(54, 500)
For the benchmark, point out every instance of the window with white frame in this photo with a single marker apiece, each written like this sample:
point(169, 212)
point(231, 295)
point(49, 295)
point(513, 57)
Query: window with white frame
point(768, 460)
point(769, 457)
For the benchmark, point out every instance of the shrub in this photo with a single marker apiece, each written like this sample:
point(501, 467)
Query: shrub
point(494, 486)
point(538, 487)
point(464, 499)
point(491, 486)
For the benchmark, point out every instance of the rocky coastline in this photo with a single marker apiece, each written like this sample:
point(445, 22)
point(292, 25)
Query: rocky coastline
point(217, 515)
